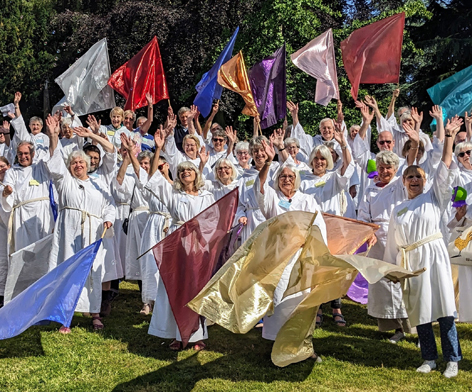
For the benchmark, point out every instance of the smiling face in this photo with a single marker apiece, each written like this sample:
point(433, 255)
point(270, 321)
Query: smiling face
point(224, 173)
point(25, 157)
point(464, 158)
point(385, 141)
point(3, 168)
point(116, 120)
point(353, 131)
point(414, 183)
point(183, 117)
point(327, 129)
point(410, 122)
point(187, 177)
point(243, 157)
point(190, 148)
point(145, 164)
point(386, 172)
point(292, 149)
point(66, 131)
point(218, 143)
point(319, 164)
point(78, 168)
point(94, 160)
point(286, 182)
point(128, 121)
point(259, 156)
point(35, 127)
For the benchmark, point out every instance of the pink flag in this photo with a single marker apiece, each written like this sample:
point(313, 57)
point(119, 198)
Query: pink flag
point(317, 59)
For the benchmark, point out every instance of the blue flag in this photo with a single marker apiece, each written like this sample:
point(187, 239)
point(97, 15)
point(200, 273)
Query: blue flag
point(208, 89)
point(53, 297)
point(454, 94)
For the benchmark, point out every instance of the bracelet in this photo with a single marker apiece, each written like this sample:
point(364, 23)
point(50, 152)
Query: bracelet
point(344, 147)
point(448, 135)
point(268, 163)
point(413, 148)
point(281, 149)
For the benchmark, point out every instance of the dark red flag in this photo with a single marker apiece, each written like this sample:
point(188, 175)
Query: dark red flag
point(142, 74)
point(372, 54)
point(187, 259)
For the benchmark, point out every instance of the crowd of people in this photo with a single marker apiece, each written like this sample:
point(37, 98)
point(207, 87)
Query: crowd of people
point(78, 182)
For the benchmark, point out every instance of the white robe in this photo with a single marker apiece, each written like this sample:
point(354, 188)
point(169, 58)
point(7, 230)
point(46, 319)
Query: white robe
point(40, 140)
point(218, 189)
point(84, 206)
point(182, 207)
point(4, 216)
point(34, 220)
point(273, 203)
point(384, 297)
point(430, 295)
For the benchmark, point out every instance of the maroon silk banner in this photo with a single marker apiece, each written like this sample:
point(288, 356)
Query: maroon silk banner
point(188, 257)
point(142, 74)
point(372, 54)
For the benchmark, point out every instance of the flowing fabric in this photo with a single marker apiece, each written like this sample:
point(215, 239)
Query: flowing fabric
point(53, 297)
point(241, 292)
point(188, 257)
point(207, 88)
point(269, 88)
point(372, 54)
point(143, 74)
point(317, 59)
point(85, 82)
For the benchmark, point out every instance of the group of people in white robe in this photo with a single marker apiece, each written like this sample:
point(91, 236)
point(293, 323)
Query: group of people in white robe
point(134, 189)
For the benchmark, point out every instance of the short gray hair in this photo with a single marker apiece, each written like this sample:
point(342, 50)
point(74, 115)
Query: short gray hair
point(325, 153)
point(183, 109)
point(219, 133)
point(66, 121)
point(326, 120)
point(145, 154)
point(78, 154)
point(291, 140)
point(387, 158)
point(295, 171)
point(198, 183)
point(220, 162)
point(256, 142)
point(460, 146)
point(36, 118)
point(29, 144)
point(241, 146)
point(406, 116)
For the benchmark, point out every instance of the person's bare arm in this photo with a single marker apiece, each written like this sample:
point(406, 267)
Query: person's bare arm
point(415, 143)
point(54, 129)
point(391, 107)
point(16, 102)
point(437, 114)
point(143, 129)
point(209, 121)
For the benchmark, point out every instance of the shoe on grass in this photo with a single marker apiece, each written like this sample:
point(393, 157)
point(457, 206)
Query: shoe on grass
point(452, 369)
point(426, 367)
point(397, 337)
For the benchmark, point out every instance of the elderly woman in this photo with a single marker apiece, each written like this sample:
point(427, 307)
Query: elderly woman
point(225, 174)
point(292, 147)
point(86, 207)
point(184, 200)
point(416, 241)
point(69, 142)
point(4, 216)
point(243, 159)
point(283, 197)
point(385, 297)
point(462, 152)
point(248, 212)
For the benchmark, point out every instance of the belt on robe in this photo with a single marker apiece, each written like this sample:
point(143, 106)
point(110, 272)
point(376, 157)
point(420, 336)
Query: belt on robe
point(85, 215)
point(141, 208)
point(167, 218)
point(10, 220)
point(342, 202)
point(122, 204)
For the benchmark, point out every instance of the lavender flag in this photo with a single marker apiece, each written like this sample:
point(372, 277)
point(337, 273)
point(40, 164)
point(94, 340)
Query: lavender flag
point(316, 58)
point(267, 80)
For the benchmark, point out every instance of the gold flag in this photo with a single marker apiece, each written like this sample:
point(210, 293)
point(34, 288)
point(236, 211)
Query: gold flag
point(233, 76)
point(241, 293)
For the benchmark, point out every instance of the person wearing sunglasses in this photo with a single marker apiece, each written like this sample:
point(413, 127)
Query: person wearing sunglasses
point(416, 240)
point(462, 153)
point(283, 196)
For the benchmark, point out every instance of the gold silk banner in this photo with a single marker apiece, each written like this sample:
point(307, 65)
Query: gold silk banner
point(233, 76)
point(241, 293)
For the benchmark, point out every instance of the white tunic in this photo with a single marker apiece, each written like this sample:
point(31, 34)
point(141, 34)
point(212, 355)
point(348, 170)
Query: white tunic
point(83, 207)
point(40, 140)
point(182, 207)
point(430, 295)
point(33, 220)
point(273, 203)
point(4, 216)
point(218, 189)
point(384, 297)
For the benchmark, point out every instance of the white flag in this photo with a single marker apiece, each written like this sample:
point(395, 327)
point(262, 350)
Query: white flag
point(317, 59)
point(85, 82)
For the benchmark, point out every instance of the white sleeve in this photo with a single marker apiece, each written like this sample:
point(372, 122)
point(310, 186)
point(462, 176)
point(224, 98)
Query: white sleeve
point(162, 189)
point(306, 141)
point(268, 201)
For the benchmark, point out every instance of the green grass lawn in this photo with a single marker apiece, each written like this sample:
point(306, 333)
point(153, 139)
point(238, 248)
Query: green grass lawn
point(123, 357)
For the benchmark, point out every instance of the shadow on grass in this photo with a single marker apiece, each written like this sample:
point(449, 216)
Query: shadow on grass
point(28, 344)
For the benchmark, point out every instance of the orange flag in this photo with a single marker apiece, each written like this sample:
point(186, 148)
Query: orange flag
point(143, 74)
point(372, 54)
point(233, 76)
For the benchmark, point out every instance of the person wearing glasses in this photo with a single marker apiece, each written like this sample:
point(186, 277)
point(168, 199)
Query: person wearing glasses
point(225, 175)
point(243, 158)
point(283, 196)
point(416, 240)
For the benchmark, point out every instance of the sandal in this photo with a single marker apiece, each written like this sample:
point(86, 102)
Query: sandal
point(147, 308)
point(338, 318)
point(316, 357)
point(175, 345)
point(199, 346)
point(97, 326)
point(320, 316)
point(64, 330)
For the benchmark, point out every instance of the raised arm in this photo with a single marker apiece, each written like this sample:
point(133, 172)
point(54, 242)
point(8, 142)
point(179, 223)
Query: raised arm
point(143, 129)
point(209, 121)
point(95, 137)
point(339, 137)
point(391, 107)
point(5, 129)
point(452, 127)
point(417, 117)
point(204, 156)
point(415, 143)
point(437, 113)
point(231, 135)
point(468, 125)
point(277, 140)
point(370, 101)
point(120, 176)
point(269, 150)
point(367, 117)
point(54, 129)
point(159, 140)
point(16, 102)
point(293, 109)
point(197, 124)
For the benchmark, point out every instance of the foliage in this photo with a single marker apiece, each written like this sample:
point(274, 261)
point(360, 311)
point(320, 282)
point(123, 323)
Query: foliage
point(124, 357)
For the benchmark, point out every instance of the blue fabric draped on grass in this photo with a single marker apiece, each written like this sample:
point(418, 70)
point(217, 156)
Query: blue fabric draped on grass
point(53, 297)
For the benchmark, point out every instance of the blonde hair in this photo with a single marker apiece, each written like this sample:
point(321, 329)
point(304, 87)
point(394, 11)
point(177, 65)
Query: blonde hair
point(117, 111)
point(130, 112)
point(256, 142)
point(194, 138)
point(325, 153)
point(219, 162)
point(414, 168)
point(198, 183)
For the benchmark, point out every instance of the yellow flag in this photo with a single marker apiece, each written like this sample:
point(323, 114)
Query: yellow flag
point(233, 76)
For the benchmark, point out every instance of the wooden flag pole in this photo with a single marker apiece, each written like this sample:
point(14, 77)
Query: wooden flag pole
point(104, 231)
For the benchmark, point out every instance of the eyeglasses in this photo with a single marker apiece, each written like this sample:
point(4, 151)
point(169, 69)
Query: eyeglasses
point(382, 142)
point(161, 166)
point(242, 153)
point(418, 177)
point(287, 177)
point(218, 140)
point(223, 168)
point(462, 154)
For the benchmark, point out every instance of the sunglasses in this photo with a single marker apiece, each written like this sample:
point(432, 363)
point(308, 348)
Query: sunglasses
point(382, 142)
point(462, 154)
point(218, 140)
point(161, 166)
point(418, 177)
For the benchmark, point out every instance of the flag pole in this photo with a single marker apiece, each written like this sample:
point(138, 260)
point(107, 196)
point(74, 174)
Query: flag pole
point(145, 253)
point(104, 231)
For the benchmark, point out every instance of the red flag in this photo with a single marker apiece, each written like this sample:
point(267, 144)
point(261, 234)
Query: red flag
point(188, 257)
point(142, 74)
point(372, 54)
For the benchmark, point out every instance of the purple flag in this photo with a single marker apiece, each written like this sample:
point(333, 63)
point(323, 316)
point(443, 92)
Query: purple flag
point(267, 80)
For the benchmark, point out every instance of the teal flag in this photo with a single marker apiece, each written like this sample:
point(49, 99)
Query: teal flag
point(453, 94)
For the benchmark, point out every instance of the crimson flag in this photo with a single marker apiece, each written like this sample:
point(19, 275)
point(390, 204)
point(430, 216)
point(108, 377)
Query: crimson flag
point(372, 54)
point(142, 74)
point(188, 258)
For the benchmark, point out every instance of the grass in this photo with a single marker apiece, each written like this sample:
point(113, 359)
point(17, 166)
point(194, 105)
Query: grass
point(124, 357)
